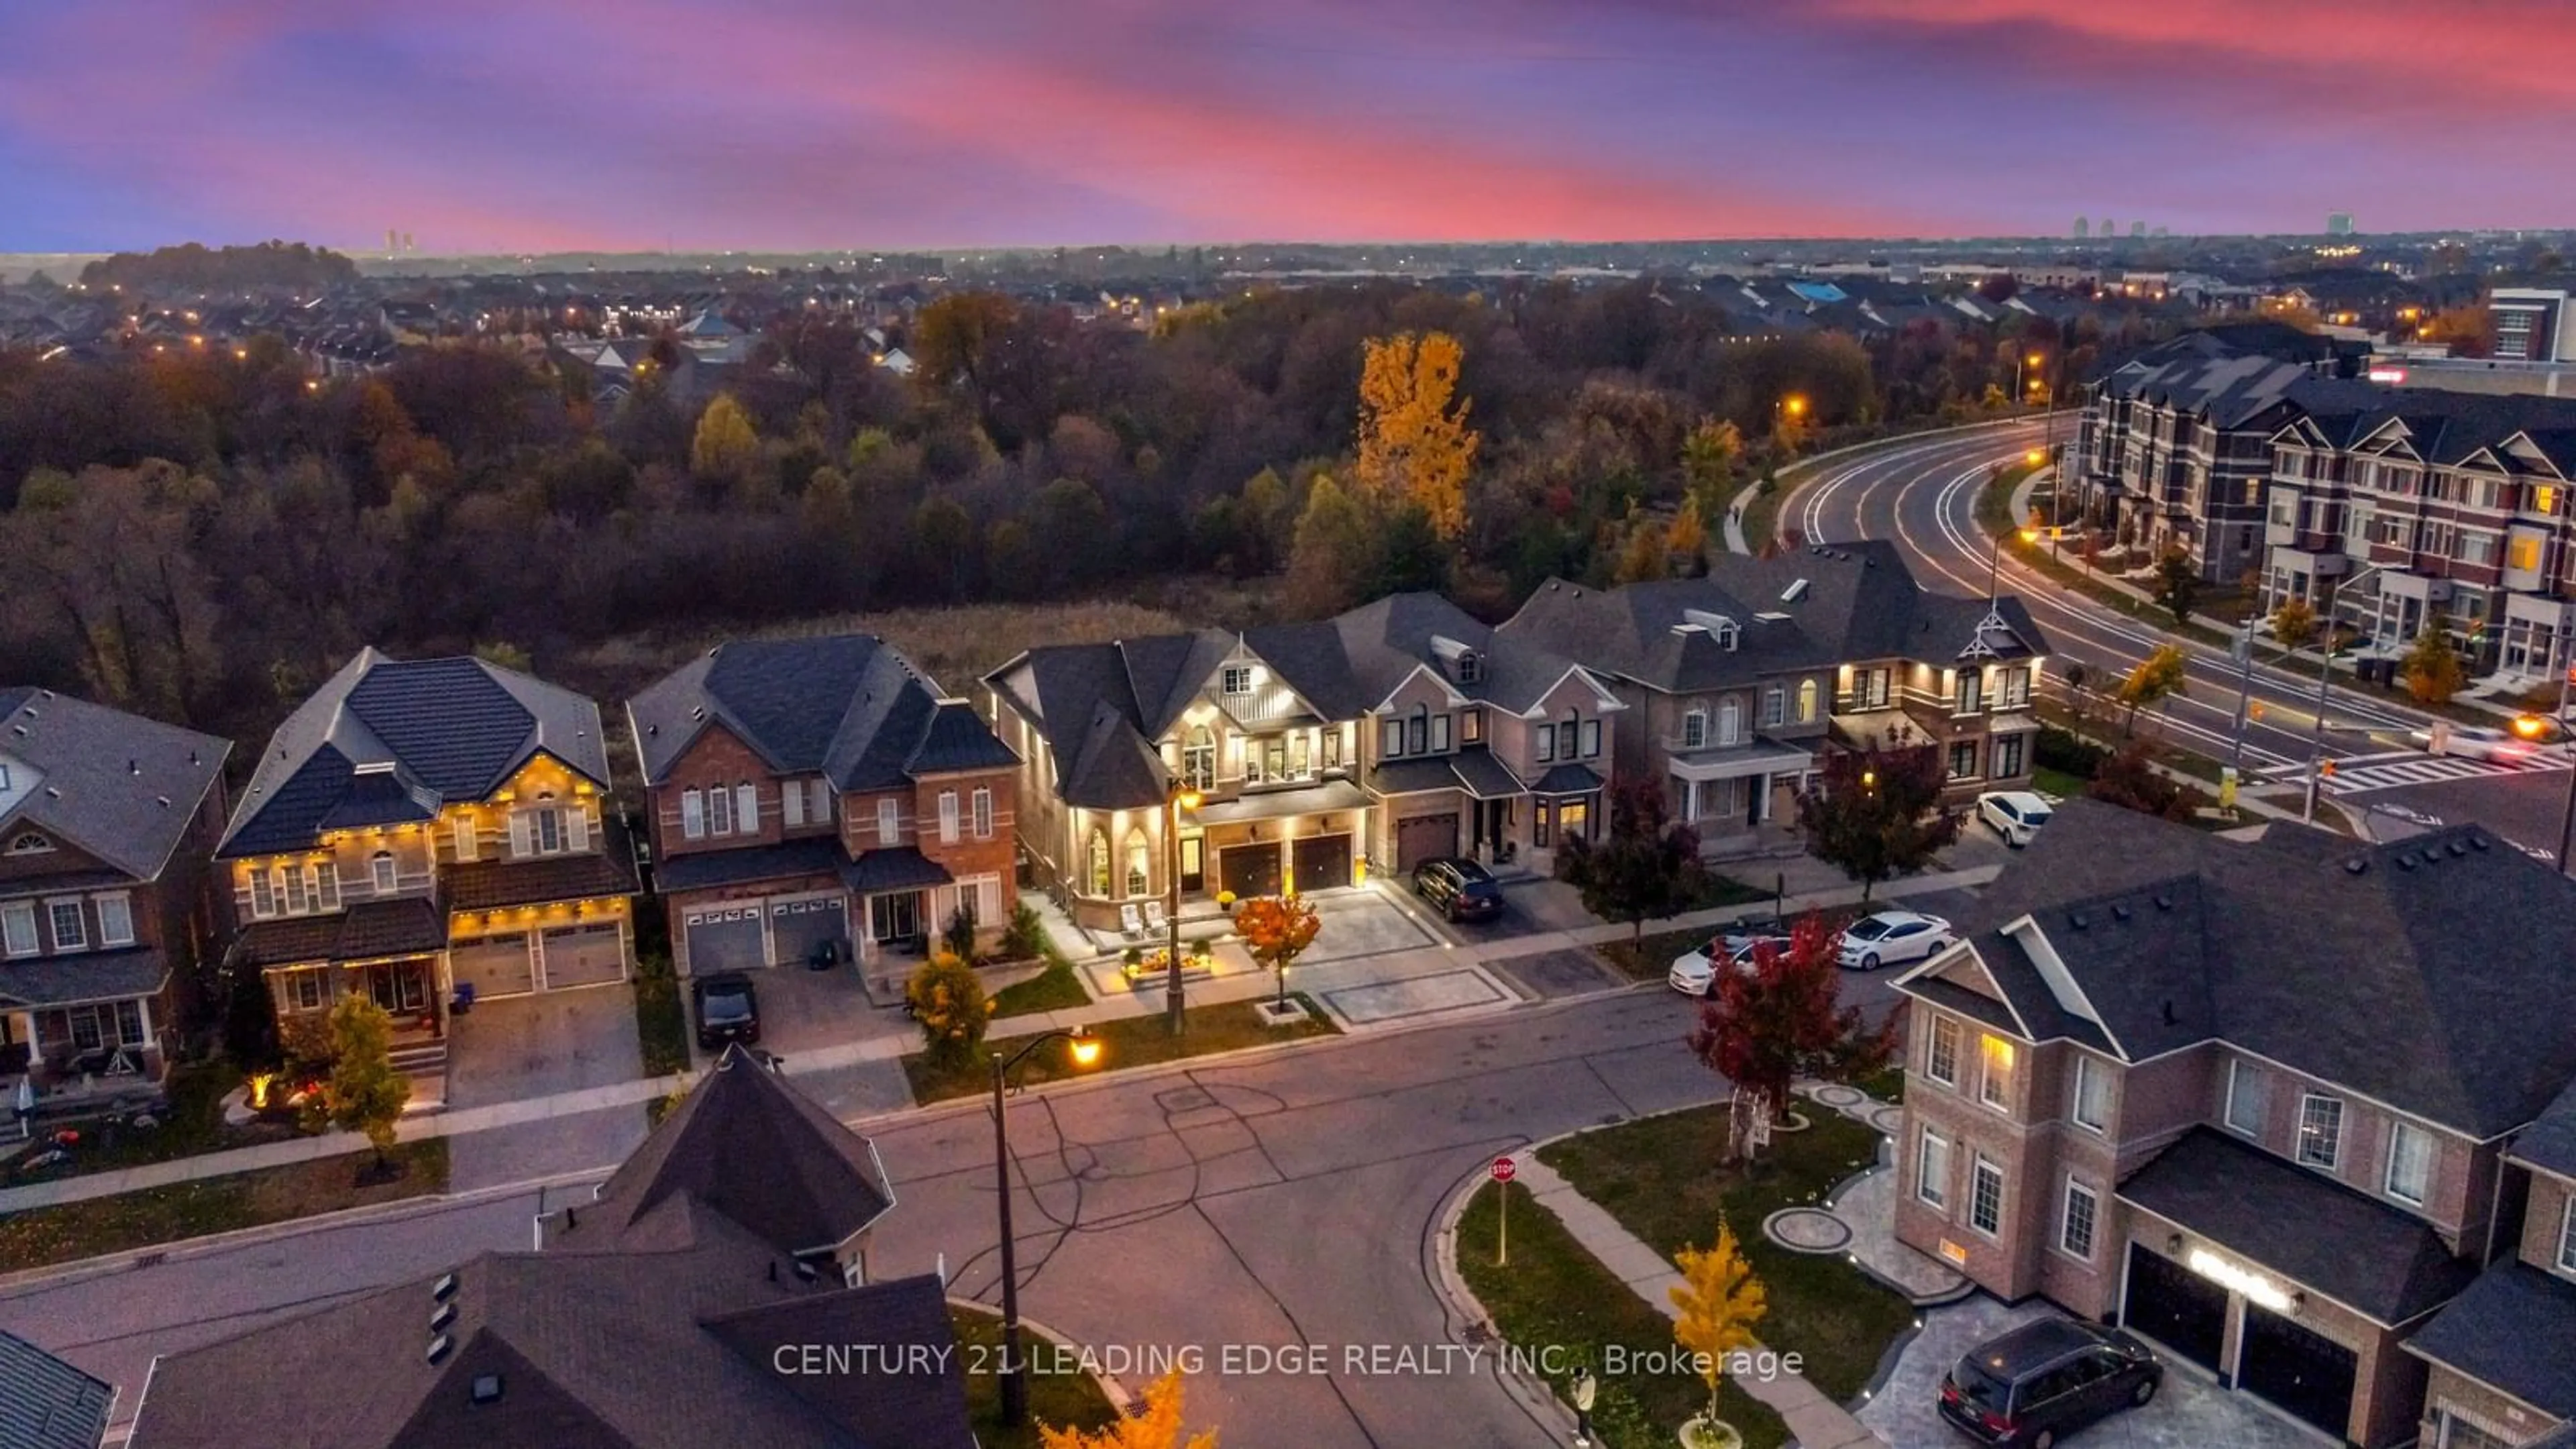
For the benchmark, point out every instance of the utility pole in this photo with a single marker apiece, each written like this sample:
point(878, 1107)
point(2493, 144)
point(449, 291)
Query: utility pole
point(2325, 683)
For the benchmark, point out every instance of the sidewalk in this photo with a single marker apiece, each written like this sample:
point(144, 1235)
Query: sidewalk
point(1814, 1420)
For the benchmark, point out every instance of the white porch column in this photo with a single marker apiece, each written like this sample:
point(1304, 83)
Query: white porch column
point(1690, 802)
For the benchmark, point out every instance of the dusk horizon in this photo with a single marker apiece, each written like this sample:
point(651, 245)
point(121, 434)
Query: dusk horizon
point(791, 127)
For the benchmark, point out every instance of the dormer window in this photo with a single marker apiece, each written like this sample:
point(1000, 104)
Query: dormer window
point(1238, 679)
point(1471, 667)
point(29, 843)
point(1727, 634)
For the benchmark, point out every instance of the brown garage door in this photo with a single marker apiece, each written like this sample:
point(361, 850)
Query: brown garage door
point(1323, 862)
point(1249, 870)
point(494, 965)
point(1423, 837)
point(584, 955)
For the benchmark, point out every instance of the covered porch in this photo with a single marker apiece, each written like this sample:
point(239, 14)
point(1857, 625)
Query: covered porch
point(84, 1027)
point(1729, 795)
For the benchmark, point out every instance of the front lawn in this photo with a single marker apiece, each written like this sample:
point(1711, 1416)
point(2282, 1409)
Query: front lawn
point(43, 1236)
point(1062, 1400)
point(1659, 1177)
point(1128, 1041)
point(1555, 1299)
point(192, 1124)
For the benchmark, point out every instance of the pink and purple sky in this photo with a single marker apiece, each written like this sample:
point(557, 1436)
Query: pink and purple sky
point(531, 125)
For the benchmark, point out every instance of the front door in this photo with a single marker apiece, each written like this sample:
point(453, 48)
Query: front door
point(400, 987)
point(894, 916)
point(1193, 864)
point(1755, 798)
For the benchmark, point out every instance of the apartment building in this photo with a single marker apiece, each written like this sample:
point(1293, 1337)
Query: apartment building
point(2283, 1106)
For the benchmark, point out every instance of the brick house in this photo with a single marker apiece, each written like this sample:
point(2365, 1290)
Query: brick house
point(1398, 731)
point(2257, 1100)
point(1734, 682)
point(819, 795)
point(417, 826)
point(106, 820)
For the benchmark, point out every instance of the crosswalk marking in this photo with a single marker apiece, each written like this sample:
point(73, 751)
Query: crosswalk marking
point(2388, 774)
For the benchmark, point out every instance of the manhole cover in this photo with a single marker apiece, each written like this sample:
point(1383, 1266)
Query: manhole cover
point(1184, 1099)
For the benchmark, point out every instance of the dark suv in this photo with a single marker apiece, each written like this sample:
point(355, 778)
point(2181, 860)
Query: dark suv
point(728, 1010)
point(1461, 889)
point(2045, 1380)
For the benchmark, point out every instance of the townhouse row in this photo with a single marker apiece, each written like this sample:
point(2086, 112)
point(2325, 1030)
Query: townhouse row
point(2299, 1109)
point(428, 831)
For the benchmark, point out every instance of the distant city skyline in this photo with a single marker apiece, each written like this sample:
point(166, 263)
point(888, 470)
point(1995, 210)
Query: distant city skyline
point(788, 125)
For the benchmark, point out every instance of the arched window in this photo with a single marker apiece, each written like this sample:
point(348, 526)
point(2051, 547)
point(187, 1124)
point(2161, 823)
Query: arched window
point(1806, 701)
point(1099, 862)
point(1198, 758)
point(30, 843)
point(1139, 857)
point(382, 866)
point(1730, 721)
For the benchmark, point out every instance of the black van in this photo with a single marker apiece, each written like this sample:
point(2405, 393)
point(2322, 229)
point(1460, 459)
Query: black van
point(2045, 1380)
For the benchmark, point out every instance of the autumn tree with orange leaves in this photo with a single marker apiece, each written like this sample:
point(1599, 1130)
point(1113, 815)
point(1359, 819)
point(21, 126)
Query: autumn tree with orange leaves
point(1415, 445)
point(1156, 1425)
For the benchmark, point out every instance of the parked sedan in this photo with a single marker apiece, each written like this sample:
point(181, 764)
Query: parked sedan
point(2016, 815)
point(1462, 890)
point(2045, 1380)
point(2477, 742)
point(1891, 938)
point(1694, 973)
point(728, 1010)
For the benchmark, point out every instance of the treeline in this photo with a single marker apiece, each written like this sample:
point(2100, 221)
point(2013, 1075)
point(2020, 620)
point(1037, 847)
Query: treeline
point(204, 536)
point(196, 267)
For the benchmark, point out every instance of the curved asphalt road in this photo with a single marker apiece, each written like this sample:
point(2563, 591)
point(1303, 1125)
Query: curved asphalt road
point(1922, 496)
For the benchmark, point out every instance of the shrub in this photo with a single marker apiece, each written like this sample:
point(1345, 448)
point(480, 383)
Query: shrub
point(948, 999)
point(2060, 750)
point(1024, 937)
point(959, 934)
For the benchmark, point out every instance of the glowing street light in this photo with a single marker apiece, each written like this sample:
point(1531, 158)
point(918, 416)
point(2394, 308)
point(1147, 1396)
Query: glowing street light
point(1084, 1048)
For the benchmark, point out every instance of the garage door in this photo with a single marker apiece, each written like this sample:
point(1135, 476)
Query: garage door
point(2304, 1372)
point(494, 965)
point(1249, 870)
point(723, 938)
point(1323, 862)
point(2176, 1307)
point(584, 955)
point(796, 926)
point(1424, 837)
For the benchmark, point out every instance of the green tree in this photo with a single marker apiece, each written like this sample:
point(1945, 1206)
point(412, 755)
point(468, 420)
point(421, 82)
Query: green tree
point(505, 655)
point(2294, 623)
point(726, 447)
point(949, 1001)
point(2434, 672)
point(1877, 812)
point(2156, 678)
point(1646, 868)
point(365, 1093)
point(1709, 456)
point(2177, 585)
point(1335, 554)
point(956, 339)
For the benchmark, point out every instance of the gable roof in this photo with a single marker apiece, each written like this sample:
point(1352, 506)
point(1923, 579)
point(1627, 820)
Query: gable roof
point(120, 787)
point(2510, 1330)
point(45, 1403)
point(2434, 953)
point(386, 740)
point(747, 1146)
point(846, 706)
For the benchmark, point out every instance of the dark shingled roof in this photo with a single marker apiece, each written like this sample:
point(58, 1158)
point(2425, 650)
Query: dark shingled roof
point(2513, 1329)
point(2435, 953)
point(896, 868)
point(118, 786)
point(1567, 780)
point(45, 1403)
point(747, 1145)
point(845, 706)
point(87, 976)
point(698, 869)
point(387, 740)
point(2549, 1143)
point(367, 931)
point(490, 885)
point(2299, 1225)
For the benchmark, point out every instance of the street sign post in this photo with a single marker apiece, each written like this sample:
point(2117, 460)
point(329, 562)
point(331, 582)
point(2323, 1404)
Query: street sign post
point(1502, 1171)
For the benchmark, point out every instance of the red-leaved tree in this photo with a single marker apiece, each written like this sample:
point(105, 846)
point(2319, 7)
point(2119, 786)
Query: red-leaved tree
point(1765, 1028)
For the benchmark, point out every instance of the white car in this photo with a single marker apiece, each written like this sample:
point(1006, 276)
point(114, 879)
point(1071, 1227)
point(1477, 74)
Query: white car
point(1893, 937)
point(1692, 973)
point(2016, 815)
point(2478, 742)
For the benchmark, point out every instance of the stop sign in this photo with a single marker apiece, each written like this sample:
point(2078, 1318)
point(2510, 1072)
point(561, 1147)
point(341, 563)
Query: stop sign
point(1503, 1169)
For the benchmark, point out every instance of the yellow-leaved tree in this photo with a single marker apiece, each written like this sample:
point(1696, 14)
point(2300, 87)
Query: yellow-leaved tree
point(725, 445)
point(1720, 1300)
point(1415, 444)
point(1156, 1425)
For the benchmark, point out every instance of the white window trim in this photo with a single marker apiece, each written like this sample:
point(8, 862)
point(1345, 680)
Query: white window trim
point(948, 817)
point(2227, 1109)
point(1694, 729)
point(1932, 1052)
point(2299, 1147)
point(693, 814)
point(720, 810)
point(2087, 1070)
point(818, 803)
point(1980, 1164)
point(981, 809)
point(56, 903)
point(2567, 1236)
point(746, 808)
point(1927, 1191)
point(1986, 1096)
point(25, 911)
point(889, 821)
point(2388, 1170)
point(384, 872)
point(791, 804)
point(463, 833)
point(2066, 1217)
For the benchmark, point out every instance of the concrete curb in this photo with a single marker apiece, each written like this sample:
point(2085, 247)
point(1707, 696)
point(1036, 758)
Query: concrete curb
point(183, 1249)
point(1120, 1398)
point(1535, 1395)
point(1805, 466)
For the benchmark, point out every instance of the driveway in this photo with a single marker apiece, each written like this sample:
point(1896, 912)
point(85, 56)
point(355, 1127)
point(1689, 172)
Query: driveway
point(803, 1011)
point(1365, 922)
point(522, 1047)
point(2191, 1411)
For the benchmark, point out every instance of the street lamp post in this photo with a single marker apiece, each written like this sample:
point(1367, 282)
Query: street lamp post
point(1995, 569)
point(1182, 798)
point(1015, 1383)
point(2325, 682)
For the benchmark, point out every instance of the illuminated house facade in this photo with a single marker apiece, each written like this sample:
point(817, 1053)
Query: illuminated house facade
point(2282, 1106)
point(417, 827)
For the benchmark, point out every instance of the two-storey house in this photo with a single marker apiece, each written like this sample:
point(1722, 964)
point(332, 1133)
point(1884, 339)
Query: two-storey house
point(820, 799)
point(106, 820)
point(421, 826)
point(2255, 1100)
point(1735, 681)
point(1399, 731)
